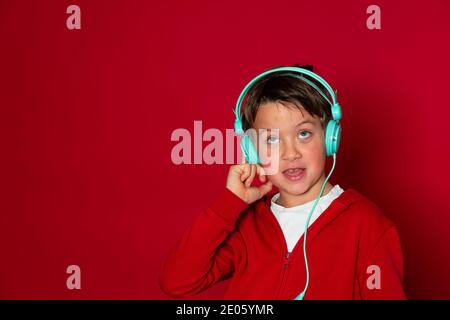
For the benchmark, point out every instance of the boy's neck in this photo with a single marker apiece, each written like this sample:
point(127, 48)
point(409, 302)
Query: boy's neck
point(287, 201)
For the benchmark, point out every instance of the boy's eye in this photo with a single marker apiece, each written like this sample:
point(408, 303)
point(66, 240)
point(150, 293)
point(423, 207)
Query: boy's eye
point(304, 134)
point(272, 140)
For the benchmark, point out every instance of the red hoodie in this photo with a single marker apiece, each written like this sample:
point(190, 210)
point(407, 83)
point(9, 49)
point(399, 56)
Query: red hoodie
point(345, 246)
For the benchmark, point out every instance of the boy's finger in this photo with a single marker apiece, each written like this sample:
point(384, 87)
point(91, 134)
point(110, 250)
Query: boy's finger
point(246, 171)
point(261, 173)
point(252, 175)
point(237, 170)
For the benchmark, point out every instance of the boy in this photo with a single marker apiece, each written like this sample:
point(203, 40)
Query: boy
point(257, 237)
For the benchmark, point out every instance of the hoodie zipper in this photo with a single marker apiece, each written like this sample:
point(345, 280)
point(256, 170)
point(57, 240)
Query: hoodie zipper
point(288, 255)
point(284, 271)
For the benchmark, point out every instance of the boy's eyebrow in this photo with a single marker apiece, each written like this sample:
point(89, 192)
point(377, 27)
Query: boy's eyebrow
point(299, 124)
point(306, 121)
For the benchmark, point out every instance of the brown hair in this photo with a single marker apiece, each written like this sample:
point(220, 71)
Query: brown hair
point(283, 88)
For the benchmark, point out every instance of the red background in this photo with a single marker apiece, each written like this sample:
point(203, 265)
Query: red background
point(87, 115)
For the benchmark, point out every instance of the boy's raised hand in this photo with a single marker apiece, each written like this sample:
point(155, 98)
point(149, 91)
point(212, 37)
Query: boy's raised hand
point(240, 178)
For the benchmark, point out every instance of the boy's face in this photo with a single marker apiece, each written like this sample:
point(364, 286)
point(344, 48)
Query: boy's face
point(300, 139)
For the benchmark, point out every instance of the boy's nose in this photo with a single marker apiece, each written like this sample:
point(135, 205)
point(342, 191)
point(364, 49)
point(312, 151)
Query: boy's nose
point(290, 152)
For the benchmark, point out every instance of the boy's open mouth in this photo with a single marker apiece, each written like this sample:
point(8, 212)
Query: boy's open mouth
point(294, 174)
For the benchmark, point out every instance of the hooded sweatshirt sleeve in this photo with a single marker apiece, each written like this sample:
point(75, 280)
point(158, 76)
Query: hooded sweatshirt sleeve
point(382, 274)
point(205, 254)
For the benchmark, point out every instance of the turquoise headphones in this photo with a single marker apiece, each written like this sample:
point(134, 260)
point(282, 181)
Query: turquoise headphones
point(332, 137)
point(332, 131)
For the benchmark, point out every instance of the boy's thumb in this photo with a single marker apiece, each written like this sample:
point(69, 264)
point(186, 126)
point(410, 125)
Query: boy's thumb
point(264, 188)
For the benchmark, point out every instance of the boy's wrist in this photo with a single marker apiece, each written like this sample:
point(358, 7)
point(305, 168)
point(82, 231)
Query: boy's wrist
point(228, 206)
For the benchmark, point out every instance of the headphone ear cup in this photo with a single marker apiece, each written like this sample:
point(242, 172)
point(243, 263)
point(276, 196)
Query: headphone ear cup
point(332, 137)
point(249, 150)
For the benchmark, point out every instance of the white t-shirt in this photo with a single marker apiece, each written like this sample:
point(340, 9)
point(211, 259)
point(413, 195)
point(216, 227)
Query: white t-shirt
point(292, 220)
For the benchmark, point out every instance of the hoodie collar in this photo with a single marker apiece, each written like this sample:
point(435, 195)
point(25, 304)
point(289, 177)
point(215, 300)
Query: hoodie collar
point(336, 207)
